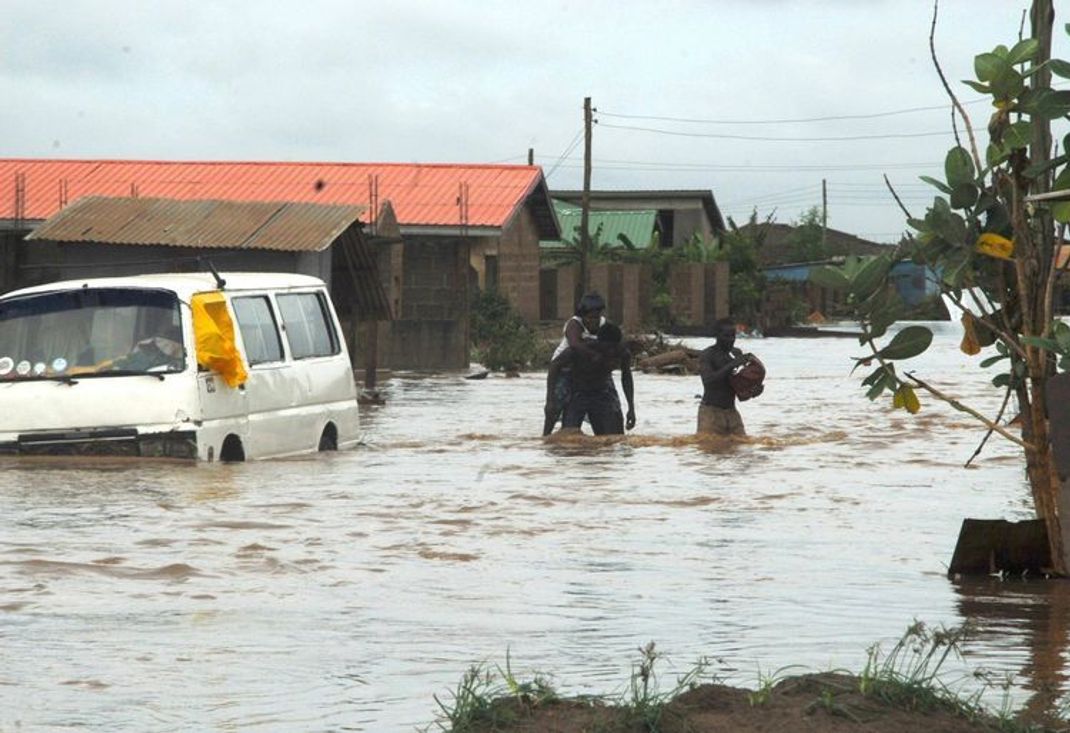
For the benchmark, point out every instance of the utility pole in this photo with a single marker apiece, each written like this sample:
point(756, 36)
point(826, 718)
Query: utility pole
point(585, 205)
point(824, 212)
point(531, 156)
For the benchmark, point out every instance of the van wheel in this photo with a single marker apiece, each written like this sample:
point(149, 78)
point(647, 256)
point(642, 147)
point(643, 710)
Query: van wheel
point(329, 439)
point(232, 450)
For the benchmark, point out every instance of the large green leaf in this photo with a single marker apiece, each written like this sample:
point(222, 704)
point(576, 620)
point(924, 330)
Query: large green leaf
point(1047, 103)
point(870, 276)
point(958, 167)
point(1061, 331)
point(1018, 135)
point(1023, 51)
point(1037, 168)
point(873, 376)
point(1059, 68)
point(1060, 210)
point(1042, 343)
point(955, 266)
point(988, 65)
point(882, 382)
point(829, 277)
point(1007, 84)
point(995, 154)
point(919, 224)
point(964, 196)
point(937, 183)
point(908, 343)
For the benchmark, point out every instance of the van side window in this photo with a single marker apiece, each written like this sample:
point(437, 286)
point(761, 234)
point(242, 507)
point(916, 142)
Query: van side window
point(308, 326)
point(258, 330)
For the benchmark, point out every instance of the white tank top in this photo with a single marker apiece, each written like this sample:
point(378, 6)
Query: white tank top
point(586, 335)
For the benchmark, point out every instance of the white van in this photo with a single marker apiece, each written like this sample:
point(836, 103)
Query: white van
point(217, 367)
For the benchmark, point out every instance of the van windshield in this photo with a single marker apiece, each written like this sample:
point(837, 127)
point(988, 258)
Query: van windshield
point(91, 332)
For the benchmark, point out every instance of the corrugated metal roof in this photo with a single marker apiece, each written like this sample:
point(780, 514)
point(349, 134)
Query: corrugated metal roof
point(280, 226)
point(206, 224)
point(422, 194)
point(637, 226)
point(605, 199)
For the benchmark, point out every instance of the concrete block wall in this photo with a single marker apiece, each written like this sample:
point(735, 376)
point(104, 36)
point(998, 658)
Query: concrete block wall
point(567, 277)
point(636, 286)
point(418, 345)
point(518, 265)
point(717, 283)
point(626, 288)
point(434, 281)
point(687, 288)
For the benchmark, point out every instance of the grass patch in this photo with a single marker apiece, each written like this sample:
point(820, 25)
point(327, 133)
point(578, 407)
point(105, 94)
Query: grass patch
point(645, 702)
point(491, 697)
point(903, 686)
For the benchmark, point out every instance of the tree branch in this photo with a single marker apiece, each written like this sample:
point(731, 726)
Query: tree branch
point(896, 197)
point(947, 88)
point(969, 411)
point(1002, 408)
point(1053, 273)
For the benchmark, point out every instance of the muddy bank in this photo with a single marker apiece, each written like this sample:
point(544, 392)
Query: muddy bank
point(821, 703)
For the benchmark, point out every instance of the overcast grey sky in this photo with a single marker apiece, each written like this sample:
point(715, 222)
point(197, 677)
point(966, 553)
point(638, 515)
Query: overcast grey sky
point(480, 82)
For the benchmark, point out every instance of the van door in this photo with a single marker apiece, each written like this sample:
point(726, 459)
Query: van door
point(321, 366)
point(224, 411)
point(269, 388)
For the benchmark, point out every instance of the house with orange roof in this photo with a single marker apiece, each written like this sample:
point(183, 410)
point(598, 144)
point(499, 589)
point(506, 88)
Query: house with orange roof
point(449, 228)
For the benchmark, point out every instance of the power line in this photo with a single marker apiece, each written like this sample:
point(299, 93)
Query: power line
point(787, 121)
point(654, 167)
point(571, 146)
point(844, 138)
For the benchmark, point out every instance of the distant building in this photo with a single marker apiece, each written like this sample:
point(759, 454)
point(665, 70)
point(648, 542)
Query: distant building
point(680, 214)
point(624, 222)
point(779, 243)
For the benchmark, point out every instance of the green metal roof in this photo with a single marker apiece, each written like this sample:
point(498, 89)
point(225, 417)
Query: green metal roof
point(637, 226)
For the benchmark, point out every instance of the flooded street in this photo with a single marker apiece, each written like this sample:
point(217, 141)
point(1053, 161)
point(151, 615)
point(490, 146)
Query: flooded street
point(341, 592)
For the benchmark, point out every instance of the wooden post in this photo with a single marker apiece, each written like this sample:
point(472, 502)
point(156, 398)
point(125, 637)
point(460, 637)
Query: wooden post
point(824, 212)
point(371, 355)
point(585, 204)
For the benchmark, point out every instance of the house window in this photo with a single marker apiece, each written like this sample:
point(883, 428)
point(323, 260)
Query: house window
point(309, 330)
point(666, 220)
point(490, 272)
point(259, 332)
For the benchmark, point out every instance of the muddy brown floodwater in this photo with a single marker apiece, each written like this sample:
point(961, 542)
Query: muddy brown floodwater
point(341, 592)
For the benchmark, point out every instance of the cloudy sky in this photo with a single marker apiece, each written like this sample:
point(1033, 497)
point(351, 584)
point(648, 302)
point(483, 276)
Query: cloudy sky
point(752, 99)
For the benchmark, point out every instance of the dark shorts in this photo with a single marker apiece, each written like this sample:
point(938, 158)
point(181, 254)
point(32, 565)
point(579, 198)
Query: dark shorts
point(562, 390)
point(601, 406)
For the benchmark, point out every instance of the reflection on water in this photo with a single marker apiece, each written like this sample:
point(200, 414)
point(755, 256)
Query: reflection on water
point(1025, 621)
point(342, 591)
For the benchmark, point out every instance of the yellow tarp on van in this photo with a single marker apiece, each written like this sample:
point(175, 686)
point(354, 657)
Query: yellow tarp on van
point(214, 332)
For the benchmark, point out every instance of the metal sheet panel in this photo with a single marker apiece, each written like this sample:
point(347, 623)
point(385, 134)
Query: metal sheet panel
point(422, 195)
point(212, 224)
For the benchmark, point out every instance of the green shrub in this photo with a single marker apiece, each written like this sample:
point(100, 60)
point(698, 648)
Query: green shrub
point(500, 337)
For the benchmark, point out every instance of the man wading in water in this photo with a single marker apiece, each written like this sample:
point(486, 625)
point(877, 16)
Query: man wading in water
point(717, 415)
point(580, 331)
point(593, 394)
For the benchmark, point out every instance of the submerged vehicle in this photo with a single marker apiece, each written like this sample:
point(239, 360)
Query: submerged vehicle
point(197, 365)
